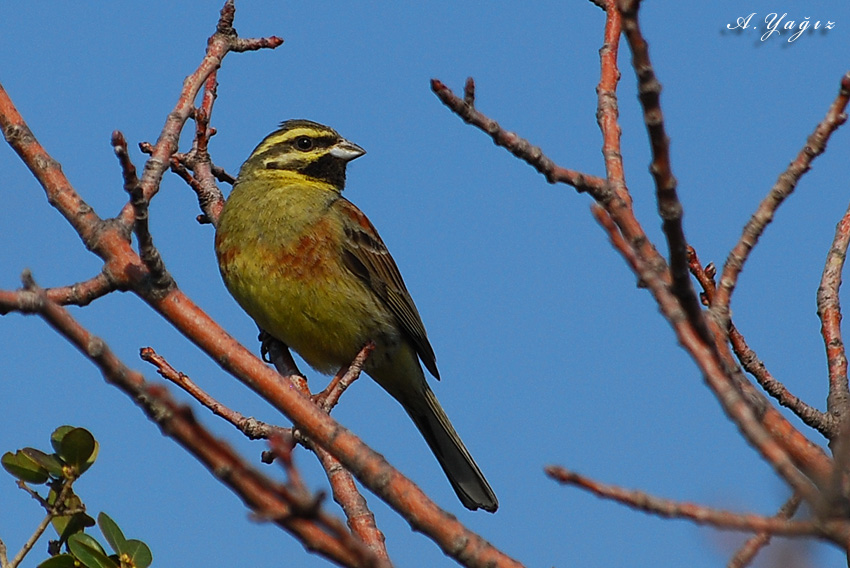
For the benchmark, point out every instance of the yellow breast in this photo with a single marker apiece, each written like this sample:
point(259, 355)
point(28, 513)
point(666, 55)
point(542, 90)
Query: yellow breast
point(280, 254)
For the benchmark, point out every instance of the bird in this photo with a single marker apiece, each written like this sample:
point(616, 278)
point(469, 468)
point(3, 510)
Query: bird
point(311, 270)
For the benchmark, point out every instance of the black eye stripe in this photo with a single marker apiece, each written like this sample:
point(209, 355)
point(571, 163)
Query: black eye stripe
point(285, 152)
point(318, 141)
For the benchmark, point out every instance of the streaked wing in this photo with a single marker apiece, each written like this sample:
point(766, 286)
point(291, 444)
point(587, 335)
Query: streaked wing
point(366, 256)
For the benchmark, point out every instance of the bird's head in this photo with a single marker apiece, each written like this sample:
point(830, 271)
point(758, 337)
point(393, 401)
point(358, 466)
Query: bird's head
point(307, 148)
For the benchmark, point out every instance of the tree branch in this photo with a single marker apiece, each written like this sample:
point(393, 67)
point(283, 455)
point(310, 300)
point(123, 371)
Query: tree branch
point(748, 551)
point(319, 531)
point(360, 519)
point(519, 147)
point(669, 207)
point(698, 514)
point(160, 278)
point(829, 312)
point(748, 358)
point(785, 185)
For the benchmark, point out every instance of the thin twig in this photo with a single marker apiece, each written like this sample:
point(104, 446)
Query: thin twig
point(359, 517)
point(30, 543)
point(669, 207)
point(82, 293)
point(254, 429)
point(612, 197)
point(821, 421)
point(210, 198)
point(79, 294)
point(160, 278)
point(329, 397)
point(755, 543)
point(781, 445)
point(469, 92)
point(785, 185)
point(829, 312)
point(258, 492)
point(222, 41)
point(220, 173)
point(53, 511)
point(617, 240)
point(241, 45)
point(48, 172)
point(607, 108)
point(619, 206)
point(519, 147)
point(667, 508)
point(750, 413)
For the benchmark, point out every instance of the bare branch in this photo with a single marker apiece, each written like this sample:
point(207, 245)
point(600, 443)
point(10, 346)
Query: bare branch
point(254, 429)
point(748, 551)
point(329, 397)
point(829, 311)
point(823, 422)
point(616, 237)
point(257, 491)
point(699, 514)
point(210, 198)
point(242, 45)
point(519, 147)
point(220, 43)
point(669, 207)
point(748, 358)
point(607, 109)
point(780, 444)
point(785, 185)
point(79, 294)
point(60, 193)
point(58, 508)
point(469, 92)
point(160, 278)
point(360, 519)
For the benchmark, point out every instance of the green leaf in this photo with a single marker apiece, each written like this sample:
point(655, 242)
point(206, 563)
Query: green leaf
point(139, 553)
point(72, 500)
point(92, 458)
point(50, 462)
point(89, 552)
point(59, 561)
point(24, 468)
point(73, 524)
point(57, 435)
point(112, 533)
point(78, 449)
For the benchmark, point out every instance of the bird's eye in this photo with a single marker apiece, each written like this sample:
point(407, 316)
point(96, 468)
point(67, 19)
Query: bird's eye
point(304, 143)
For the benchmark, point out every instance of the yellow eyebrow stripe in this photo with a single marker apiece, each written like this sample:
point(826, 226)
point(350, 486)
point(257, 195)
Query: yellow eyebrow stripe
point(276, 138)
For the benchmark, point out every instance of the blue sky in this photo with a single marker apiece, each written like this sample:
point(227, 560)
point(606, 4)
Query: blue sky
point(548, 351)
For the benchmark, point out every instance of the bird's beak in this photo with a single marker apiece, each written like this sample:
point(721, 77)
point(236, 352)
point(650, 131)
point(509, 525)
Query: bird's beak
point(345, 150)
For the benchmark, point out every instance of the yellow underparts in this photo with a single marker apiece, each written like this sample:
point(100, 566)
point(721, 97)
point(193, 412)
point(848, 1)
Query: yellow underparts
point(289, 276)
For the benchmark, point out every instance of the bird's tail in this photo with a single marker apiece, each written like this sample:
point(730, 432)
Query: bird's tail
point(463, 473)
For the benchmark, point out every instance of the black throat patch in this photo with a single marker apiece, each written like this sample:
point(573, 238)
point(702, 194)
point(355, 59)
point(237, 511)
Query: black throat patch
point(327, 168)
